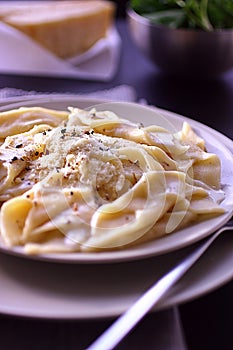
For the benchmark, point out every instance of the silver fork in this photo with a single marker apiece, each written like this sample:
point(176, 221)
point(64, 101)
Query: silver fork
point(128, 320)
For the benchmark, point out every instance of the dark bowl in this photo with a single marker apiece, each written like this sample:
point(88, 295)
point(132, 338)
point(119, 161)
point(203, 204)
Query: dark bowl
point(188, 52)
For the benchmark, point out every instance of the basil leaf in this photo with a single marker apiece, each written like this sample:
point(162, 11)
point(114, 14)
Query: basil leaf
point(202, 14)
point(221, 13)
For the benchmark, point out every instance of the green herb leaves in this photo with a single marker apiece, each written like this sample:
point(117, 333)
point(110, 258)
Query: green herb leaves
point(198, 14)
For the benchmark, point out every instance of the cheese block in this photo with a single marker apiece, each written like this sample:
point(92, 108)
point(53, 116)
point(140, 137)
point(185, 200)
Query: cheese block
point(65, 28)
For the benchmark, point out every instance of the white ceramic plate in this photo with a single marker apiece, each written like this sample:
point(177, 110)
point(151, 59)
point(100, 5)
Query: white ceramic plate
point(147, 115)
point(40, 289)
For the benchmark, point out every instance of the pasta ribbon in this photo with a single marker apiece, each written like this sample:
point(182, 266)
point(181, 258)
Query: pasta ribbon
point(76, 180)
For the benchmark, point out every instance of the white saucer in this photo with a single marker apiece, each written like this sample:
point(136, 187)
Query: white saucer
point(70, 291)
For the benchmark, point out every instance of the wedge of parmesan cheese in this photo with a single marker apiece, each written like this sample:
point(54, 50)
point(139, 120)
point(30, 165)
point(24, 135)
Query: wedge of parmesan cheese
point(65, 28)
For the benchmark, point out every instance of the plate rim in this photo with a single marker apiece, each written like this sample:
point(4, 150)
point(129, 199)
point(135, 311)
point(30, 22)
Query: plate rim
point(189, 292)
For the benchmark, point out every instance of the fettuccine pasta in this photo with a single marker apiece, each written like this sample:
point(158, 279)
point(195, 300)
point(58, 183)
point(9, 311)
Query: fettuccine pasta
point(88, 181)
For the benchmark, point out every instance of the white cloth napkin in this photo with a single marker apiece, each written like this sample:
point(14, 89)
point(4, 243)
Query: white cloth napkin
point(22, 55)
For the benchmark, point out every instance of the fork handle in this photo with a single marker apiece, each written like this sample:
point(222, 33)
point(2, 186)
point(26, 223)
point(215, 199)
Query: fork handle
point(128, 320)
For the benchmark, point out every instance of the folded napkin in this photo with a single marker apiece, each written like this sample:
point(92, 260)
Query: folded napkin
point(22, 55)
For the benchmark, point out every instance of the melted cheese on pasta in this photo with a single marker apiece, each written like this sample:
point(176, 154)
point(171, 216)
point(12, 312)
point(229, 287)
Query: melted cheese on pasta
point(91, 181)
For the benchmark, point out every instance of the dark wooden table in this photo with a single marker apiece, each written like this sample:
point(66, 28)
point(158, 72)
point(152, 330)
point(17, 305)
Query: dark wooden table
point(207, 321)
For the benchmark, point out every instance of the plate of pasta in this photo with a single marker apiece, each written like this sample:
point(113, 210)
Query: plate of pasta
point(89, 181)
